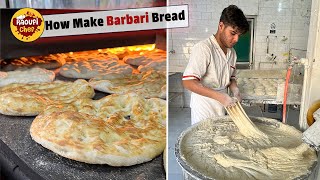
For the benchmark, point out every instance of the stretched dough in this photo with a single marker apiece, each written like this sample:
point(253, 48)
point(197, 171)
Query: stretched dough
point(242, 121)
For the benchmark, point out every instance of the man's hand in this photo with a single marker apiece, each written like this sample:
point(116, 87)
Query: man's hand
point(238, 96)
point(226, 100)
point(235, 90)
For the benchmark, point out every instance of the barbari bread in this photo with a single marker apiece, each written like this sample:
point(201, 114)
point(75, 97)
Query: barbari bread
point(118, 130)
point(165, 159)
point(31, 99)
point(94, 67)
point(145, 58)
point(149, 84)
point(51, 61)
point(156, 65)
point(26, 76)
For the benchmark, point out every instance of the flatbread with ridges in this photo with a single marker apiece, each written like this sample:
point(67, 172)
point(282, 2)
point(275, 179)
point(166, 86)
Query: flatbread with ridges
point(31, 99)
point(118, 130)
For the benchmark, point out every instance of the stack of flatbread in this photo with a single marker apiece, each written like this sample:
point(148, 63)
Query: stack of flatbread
point(122, 129)
point(118, 130)
point(149, 84)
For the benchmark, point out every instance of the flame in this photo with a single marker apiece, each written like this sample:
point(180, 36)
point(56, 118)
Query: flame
point(121, 52)
point(118, 50)
point(141, 49)
point(147, 47)
point(132, 49)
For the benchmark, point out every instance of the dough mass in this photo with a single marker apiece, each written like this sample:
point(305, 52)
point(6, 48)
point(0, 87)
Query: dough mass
point(243, 122)
point(216, 149)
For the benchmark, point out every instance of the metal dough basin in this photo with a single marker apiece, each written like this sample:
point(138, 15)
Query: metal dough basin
point(191, 173)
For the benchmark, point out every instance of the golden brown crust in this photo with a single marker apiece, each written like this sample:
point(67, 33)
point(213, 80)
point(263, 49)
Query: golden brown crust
point(145, 58)
point(118, 130)
point(26, 76)
point(149, 84)
point(51, 61)
point(90, 68)
point(31, 99)
point(165, 159)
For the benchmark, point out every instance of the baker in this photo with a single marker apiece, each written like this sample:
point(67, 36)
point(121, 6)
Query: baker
point(211, 68)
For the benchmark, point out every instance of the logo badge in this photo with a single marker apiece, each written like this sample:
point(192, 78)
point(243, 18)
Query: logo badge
point(27, 25)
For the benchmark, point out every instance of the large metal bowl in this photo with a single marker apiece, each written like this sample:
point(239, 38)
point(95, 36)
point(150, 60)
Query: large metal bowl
point(189, 173)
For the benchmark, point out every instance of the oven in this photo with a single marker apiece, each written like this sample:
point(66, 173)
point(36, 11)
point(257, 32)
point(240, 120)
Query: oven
point(20, 156)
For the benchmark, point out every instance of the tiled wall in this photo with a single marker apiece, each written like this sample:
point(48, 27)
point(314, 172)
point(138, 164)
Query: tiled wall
point(2, 4)
point(178, 96)
point(291, 18)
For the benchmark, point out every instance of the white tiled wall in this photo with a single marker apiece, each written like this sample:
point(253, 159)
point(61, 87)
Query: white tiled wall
point(291, 18)
point(180, 94)
point(2, 4)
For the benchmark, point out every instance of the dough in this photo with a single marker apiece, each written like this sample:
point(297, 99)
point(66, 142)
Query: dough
point(243, 122)
point(258, 87)
point(216, 149)
point(259, 92)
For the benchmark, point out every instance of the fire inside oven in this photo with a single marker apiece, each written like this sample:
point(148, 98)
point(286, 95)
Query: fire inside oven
point(144, 63)
point(141, 53)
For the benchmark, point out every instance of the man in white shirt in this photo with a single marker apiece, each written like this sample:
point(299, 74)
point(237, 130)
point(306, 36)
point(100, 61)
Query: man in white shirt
point(211, 68)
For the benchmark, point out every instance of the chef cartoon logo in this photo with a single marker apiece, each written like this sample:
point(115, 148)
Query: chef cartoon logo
point(27, 25)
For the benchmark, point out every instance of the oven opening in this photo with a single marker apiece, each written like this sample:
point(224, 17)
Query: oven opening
point(58, 60)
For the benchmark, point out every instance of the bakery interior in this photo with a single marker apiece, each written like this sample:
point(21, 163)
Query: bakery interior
point(277, 68)
point(23, 158)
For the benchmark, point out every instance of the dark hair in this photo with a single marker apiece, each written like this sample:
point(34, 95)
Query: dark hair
point(233, 16)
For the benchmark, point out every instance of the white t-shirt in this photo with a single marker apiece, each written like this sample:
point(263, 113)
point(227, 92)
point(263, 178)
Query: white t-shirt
point(214, 69)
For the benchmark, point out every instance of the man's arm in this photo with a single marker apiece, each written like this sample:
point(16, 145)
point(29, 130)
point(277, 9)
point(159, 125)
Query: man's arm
point(234, 89)
point(196, 87)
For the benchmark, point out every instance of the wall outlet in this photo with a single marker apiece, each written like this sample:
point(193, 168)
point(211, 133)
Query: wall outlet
point(272, 31)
